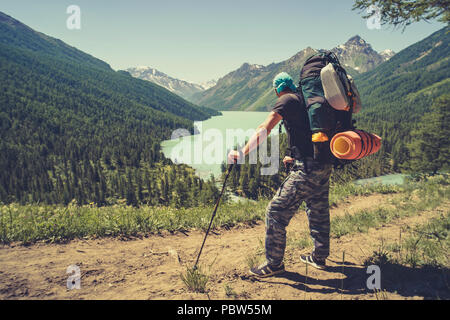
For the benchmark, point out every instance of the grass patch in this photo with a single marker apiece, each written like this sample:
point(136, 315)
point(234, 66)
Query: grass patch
point(418, 197)
point(31, 223)
point(360, 222)
point(52, 223)
point(195, 279)
point(256, 257)
point(253, 260)
point(418, 263)
point(340, 192)
point(229, 291)
point(427, 245)
point(299, 241)
point(380, 257)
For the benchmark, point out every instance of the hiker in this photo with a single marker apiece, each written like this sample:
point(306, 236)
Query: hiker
point(308, 181)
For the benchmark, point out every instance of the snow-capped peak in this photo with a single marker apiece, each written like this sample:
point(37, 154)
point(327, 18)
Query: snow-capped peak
point(387, 54)
point(183, 88)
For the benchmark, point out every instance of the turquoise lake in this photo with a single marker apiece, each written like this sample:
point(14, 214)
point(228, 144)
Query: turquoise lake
point(202, 142)
point(390, 179)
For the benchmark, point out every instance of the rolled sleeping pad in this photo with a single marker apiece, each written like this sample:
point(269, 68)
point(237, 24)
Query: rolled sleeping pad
point(354, 145)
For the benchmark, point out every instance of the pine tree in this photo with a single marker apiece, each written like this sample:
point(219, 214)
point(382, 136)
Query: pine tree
point(405, 12)
point(430, 147)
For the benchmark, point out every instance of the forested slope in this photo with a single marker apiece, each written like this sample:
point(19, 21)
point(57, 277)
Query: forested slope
point(400, 91)
point(73, 128)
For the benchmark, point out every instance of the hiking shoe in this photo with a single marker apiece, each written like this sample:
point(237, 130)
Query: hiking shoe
point(309, 259)
point(264, 270)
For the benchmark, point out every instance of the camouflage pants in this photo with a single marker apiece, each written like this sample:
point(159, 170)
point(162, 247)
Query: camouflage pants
point(309, 184)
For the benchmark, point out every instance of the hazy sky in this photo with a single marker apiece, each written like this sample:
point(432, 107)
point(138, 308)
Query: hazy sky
point(199, 40)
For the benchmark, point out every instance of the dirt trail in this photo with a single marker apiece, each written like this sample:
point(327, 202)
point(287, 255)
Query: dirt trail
point(150, 268)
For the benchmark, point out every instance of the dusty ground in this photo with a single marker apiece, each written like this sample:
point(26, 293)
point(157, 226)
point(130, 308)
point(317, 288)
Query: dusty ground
point(150, 268)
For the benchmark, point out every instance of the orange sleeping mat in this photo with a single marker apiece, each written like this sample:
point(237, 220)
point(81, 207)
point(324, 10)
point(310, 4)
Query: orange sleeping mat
point(354, 145)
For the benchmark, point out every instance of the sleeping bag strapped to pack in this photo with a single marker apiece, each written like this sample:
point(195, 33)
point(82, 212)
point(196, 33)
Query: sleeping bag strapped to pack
point(331, 98)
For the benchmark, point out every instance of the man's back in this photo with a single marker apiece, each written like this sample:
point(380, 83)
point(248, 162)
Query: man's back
point(292, 108)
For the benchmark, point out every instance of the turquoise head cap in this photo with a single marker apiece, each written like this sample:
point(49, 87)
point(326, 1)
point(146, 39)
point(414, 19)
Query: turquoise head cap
point(284, 81)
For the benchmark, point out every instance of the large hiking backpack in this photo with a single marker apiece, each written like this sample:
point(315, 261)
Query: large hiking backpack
point(331, 98)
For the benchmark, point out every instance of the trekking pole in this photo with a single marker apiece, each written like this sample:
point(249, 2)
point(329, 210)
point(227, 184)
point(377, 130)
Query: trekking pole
point(230, 168)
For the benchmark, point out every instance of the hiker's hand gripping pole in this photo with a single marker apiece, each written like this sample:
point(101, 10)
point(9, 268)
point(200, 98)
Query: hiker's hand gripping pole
point(288, 163)
point(230, 168)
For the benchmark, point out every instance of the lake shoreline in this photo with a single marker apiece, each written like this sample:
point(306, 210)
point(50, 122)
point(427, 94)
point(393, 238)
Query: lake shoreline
point(192, 149)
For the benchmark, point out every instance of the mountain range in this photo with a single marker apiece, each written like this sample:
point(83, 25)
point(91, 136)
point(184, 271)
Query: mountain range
point(250, 87)
point(359, 56)
point(182, 88)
